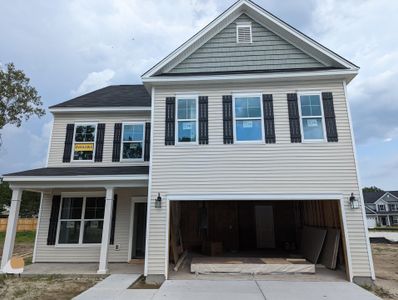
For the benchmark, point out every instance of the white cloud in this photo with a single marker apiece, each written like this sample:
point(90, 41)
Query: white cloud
point(94, 81)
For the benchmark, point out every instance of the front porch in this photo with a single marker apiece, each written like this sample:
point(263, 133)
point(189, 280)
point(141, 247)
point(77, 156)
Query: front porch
point(91, 220)
point(81, 269)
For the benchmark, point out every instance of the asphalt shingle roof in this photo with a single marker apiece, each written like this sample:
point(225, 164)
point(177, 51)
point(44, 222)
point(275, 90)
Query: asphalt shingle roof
point(111, 96)
point(81, 171)
point(372, 197)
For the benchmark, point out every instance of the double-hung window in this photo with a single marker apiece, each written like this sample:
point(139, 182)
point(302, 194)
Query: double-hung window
point(84, 141)
point(381, 207)
point(312, 122)
point(187, 119)
point(81, 220)
point(133, 141)
point(248, 118)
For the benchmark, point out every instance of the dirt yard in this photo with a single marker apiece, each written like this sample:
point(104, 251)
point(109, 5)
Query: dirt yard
point(24, 243)
point(385, 257)
point(44, 288)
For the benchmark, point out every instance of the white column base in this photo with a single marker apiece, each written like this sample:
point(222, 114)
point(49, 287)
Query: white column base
point(103, 271)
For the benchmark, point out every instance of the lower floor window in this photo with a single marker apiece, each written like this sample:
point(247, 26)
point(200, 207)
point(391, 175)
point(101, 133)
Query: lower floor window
point(81, 220)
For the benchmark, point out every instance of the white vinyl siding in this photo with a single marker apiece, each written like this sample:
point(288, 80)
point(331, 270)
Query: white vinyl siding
point(283, 167)
point(56, 148)
point(87, 253)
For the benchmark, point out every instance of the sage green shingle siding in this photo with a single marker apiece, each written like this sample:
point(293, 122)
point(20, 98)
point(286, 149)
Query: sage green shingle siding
point(267, 52)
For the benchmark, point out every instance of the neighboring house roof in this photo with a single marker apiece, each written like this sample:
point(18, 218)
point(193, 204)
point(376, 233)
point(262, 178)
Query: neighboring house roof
point(274, 27)
point(372, 197)
point(111, 96)
point(83, 171)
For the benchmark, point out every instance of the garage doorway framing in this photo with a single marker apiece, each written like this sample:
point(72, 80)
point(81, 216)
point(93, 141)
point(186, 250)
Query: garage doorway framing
point(260, 197)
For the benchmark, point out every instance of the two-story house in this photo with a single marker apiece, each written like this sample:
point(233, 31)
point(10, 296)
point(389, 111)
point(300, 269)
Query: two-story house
point(233, 144)
point(381, 208)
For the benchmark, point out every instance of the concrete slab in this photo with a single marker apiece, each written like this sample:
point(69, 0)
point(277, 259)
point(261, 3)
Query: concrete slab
point(209, 290)
point(115, 287)
point(281, 290)
point(80, 269)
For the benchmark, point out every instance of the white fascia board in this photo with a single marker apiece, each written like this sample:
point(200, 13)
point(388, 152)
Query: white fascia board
point(347, 75)
point(100, 109)
point(254, 197)
point(74, 178)
point(245, 6)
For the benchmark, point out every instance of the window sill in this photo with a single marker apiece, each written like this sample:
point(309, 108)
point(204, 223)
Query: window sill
point(77, 245)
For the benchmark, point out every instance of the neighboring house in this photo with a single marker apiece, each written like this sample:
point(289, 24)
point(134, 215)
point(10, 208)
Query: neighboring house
point(242, 134)
point(381, 208)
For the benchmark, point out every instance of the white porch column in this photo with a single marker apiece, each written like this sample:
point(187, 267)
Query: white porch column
point(106, 231)
point(11, 226)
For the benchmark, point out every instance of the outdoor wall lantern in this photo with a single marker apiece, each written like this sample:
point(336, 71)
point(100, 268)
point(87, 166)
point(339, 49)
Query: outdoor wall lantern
point(158, 201)
point(354, 201)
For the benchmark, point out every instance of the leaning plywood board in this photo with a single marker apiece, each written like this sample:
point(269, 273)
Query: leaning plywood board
point(311, 243)
point(330, 249)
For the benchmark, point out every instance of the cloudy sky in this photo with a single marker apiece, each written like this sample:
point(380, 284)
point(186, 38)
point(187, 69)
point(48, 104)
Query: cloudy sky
point(69, 47)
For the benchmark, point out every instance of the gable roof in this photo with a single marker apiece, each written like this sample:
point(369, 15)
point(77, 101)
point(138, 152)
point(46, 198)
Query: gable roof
point(110, 96)
point(372, 197)
point(266, 19)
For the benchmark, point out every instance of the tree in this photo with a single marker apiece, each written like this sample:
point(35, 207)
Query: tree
point(372, 189)
point(30, 201)
point(18, 99)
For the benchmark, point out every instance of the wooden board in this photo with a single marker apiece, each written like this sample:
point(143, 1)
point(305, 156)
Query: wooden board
point(311, 242)
point(330, 249)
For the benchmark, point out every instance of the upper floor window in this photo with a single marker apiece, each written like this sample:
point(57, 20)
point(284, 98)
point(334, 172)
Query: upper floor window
point(248, 116)
point(393, 207)
point(311, 112)
point(133, 141)
point(84, 141)
point(381, 207)
point(187, 119)
point(81, 220)
point(244, 33)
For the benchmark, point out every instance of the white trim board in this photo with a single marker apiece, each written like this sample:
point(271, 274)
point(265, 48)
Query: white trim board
point(74, 178)
point(100, 109)
point(266, 19)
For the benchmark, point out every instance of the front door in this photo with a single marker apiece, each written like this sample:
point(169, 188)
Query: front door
point(265, 226)
point(139, 230)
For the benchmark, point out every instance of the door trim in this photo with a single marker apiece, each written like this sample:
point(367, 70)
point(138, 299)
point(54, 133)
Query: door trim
point(133, 201)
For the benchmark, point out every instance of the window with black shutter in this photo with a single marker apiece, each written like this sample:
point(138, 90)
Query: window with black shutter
point(53, 224)
point(330, 118)
point(68, 142)
point(117, 136)
point(269, 126)
point(294, 118)
point(227, 119)
point(147, 147)
point(203, 120)
point(170, 121)
point(99, 146)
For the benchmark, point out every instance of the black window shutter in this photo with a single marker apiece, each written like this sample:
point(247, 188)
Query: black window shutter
point(269, 126)
point(112, 238)
point(68, 142)
point(169, 138)
point(117, 137)
point(227, 119)
point(330, 118)
point(203, 120)
point(294, 118)
point(52, 228)
point(147, 146)
point(99, 144)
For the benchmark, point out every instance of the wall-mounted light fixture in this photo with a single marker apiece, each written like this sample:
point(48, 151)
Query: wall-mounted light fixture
point(158, 201)
point(354, 202)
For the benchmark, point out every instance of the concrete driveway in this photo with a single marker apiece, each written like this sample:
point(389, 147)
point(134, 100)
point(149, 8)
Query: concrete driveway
point(115, 287)
point(260, 290)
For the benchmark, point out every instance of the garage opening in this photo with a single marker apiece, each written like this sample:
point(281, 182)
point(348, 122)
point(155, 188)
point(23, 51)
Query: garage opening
point(256, 237)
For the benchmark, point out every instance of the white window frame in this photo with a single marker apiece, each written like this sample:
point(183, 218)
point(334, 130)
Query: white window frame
point(261, 118)
point(304, 140)
point(81, 220)
point(393, 207)
point(185, 97)
point(242, 25)
point(381, 205)
point(394, 220)
point(95, 141)
point(122, 142)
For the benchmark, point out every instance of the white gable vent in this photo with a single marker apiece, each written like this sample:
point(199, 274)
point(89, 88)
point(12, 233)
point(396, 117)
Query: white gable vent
point(243, 33)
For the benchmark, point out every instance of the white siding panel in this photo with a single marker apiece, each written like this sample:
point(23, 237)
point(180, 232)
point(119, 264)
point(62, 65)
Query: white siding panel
point(59, 131)
point(283, 167)
point(45, 253)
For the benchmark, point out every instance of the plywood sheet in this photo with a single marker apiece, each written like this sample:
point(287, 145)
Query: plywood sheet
point(311, 242)
point(330, 249)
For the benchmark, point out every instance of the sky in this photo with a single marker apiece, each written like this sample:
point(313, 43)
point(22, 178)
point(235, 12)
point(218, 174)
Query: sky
point(70, 47)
